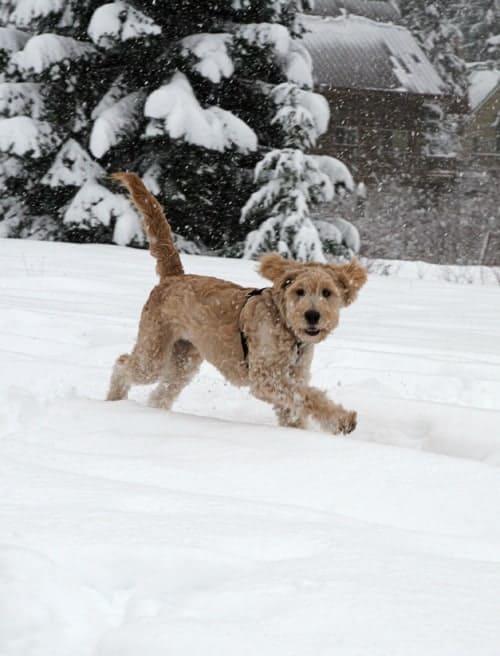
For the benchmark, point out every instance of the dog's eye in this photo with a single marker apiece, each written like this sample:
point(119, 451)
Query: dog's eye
point(326, 293)
point(300, 292)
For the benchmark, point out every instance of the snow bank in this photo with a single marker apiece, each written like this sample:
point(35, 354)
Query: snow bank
point(464, 275)
point(126, 529)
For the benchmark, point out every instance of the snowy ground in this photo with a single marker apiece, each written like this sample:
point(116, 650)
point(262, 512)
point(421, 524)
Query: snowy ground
point(128, 531)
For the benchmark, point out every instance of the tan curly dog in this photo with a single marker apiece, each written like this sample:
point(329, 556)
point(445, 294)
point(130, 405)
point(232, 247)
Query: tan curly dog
point(263, 339)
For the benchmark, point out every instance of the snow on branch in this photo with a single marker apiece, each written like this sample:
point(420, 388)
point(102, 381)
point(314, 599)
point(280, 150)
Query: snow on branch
point(43, 51)
point(22, 98)
point(12, 40)
point(118, 122)
point(302, 115)
point(72, 166)
point(211, 51)
point(290, 183)
point(184, 118)
point(116, 92)
point(118, 21)
point(28, 11)
point(298, 65)
point(24, 136)
point(266, 35)
point(337, 171)
point(95, 206)
point(11, 167)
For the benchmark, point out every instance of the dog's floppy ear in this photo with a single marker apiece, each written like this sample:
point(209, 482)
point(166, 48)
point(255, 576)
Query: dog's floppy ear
point(273, 266)
point(349, 278)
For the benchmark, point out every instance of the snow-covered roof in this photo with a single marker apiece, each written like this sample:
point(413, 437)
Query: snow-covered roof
point(354, 52)
point(482, 84)
point(375, 9)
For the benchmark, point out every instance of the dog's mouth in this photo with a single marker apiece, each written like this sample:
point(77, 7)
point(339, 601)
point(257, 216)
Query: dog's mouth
point(312, 332)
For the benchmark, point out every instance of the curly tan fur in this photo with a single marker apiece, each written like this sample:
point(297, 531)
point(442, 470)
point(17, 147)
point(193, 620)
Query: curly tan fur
point(188, 319)
point(161, 243)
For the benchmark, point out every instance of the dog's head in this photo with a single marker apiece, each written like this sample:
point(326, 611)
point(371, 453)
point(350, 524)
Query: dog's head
point(310, 295)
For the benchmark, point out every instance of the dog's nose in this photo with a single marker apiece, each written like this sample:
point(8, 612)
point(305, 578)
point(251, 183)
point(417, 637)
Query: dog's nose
point(312, 316)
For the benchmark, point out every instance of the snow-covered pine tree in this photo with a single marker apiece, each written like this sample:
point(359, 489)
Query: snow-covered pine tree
point(480, 24)
point(290, 183)
point(183, 92)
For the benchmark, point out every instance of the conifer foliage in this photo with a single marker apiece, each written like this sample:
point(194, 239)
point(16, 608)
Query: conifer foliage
point(192, 95)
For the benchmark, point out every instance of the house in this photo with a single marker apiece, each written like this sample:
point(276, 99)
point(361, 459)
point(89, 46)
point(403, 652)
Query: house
point(379, 85)
point(481, 130)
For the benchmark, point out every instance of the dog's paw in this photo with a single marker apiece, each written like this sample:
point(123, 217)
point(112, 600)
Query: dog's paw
point(347, 421)
point(343, 421)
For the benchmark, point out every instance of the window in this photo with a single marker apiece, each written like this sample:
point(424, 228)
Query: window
point(346, 136)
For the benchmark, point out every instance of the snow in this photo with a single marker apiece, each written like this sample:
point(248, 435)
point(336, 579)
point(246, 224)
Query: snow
point(12, 40)
point(300, 113)
point(24, 136)
point(184, 118)
point(22, 98)
point(482, 83)
point(129, 530)
point(266, 35)
point(26, 11)
point(211, 51)
point(94, 205)
point(43, 51)
point(116, 123)
point(336, 170)
point(118, 21)
point(299, 65)
point(355, 52)
point(72, 166)
point(464, 275)
point(116, 92)
point(339, 231)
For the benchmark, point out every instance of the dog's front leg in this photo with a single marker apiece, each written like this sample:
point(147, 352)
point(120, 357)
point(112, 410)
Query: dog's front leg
point(297, 399)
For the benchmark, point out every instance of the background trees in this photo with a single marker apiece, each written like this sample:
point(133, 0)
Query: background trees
point(191, 95)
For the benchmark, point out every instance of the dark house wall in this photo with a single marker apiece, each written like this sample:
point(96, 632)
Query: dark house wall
point(481, 134)
point(376, 133)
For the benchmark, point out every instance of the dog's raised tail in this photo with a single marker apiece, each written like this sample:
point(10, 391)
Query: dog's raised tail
point(161, 241)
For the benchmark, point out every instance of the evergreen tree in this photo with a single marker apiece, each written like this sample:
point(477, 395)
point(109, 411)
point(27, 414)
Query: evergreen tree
point(434, 24)
point(192, 95)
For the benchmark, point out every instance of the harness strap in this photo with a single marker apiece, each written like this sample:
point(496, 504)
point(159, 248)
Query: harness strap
point(243, 337)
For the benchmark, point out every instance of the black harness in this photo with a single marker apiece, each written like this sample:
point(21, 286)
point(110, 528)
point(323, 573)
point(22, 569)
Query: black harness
point(243, 337)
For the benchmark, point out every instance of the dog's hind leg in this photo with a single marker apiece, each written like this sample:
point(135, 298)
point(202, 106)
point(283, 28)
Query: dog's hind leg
point(144, 365)
point(182, 366)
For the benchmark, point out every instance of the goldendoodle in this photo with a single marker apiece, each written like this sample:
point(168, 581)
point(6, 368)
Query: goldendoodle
point(263, 339)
